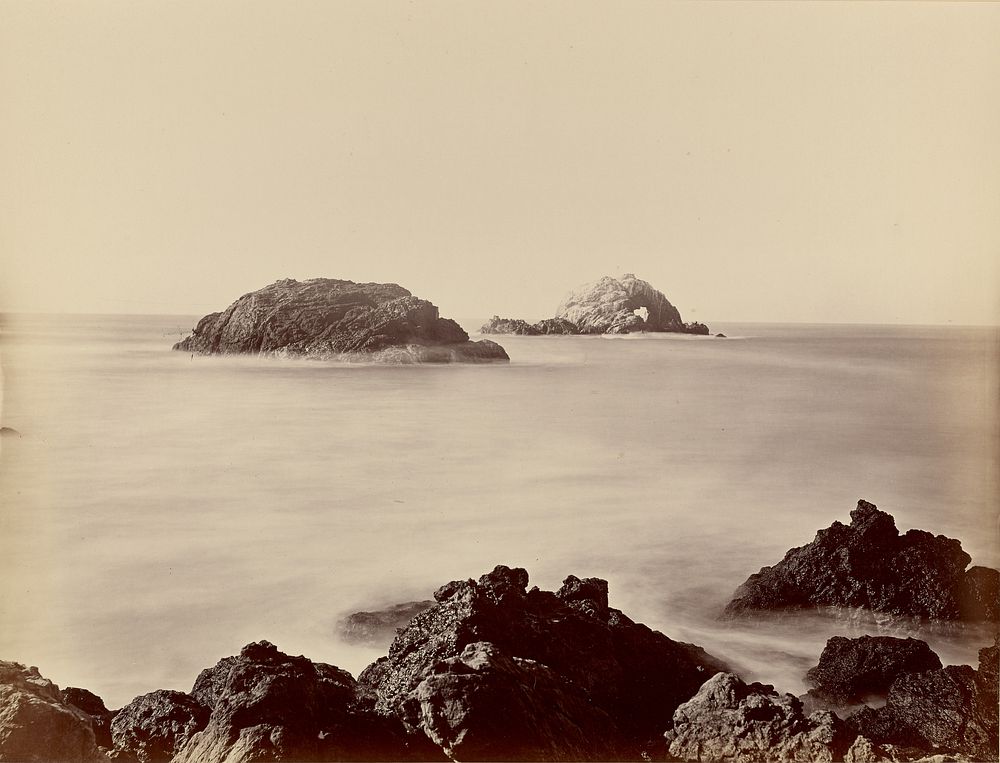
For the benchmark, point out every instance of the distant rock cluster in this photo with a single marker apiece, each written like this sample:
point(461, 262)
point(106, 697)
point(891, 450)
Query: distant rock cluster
point(492, 670)
point(325, 318)
point(608, 306)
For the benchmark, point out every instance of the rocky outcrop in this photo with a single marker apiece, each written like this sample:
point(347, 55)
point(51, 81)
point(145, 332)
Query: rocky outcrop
point(556, 326)
point(267, 705)
point(486, 705)
point(635, 675)
point(153, 727)
point(623, 305)
point(733, 721)
point(92, 705)
point(379, 627)
point(498, 325)
point(869, 564)
point(950, 710)
point(331, 319)
point(851, 669)
point(37, 724)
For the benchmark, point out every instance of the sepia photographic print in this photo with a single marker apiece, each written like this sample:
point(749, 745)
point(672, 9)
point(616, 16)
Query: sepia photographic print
point(521, 381)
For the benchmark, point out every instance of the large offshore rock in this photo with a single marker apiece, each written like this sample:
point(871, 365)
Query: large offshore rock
point(635, 675)
point(328, 318)
point(950, 710)
point(851, 669)
point(623, 305)
point(869, 564)
point(36, 724)
point(733, 721)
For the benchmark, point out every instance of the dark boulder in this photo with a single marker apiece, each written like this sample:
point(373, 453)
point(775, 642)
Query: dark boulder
point(9, 432)
point(332, 319)
point(949, 710)
point(556, 326)
point(869, 564)
point(498, 325)
point(851, 669)
point(486, 705)
point(37, 724)
point(635, 675)
point(379, 627)
point(267, 705)
point(733, 721)
point(153, 727)
point(92, 705)
point(721, 336)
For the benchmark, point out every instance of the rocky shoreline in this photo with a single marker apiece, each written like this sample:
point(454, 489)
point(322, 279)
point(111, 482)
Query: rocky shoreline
point(492, 670)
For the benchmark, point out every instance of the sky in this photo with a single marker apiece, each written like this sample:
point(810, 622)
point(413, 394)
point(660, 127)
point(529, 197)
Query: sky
point(814, 162)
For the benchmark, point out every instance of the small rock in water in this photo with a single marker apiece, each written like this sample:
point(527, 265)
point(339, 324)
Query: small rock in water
point(379, 626)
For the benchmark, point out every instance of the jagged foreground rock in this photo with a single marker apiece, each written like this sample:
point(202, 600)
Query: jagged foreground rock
point(949, 710)
point(608, 306)
point(634, 675)
point(36, 724)
point(869, 564)
point(325, 318)
point(729, 720)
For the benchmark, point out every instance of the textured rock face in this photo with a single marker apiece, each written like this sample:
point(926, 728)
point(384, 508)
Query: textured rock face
point(851, 669)
point(92, 705)
point(379, 627)
point(36, 724)
point(950, 710)
point(266, 705)
point(622, 305)
point(633, 674)
point(733, 721)
point(327, 318)
point(869, 564)
point(486, 705)
point(498, 325)
point(153, 727)
point(556, 326)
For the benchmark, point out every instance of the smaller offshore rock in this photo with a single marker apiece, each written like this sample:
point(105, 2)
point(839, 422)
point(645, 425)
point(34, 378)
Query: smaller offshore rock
point(37, 724)
point(869, 564)
point(733, 721)
point(379, 626)
point(556, 326)
point(498, 325)
point(851, 669)
point(153, 727)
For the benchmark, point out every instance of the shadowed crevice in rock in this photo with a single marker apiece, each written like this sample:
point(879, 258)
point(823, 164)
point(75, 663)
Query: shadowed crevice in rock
point(325, 318)
point(869, 564)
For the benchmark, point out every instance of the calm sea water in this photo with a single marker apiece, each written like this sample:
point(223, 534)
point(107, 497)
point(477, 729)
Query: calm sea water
point(160, 510)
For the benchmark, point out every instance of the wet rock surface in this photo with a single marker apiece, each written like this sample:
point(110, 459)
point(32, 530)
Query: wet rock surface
point(949, 710)
point(635, 675)
point(379, 626)
point(851, 669)
point(731, 720)
point(37, 724)
point(326, 318)
point(869, 564)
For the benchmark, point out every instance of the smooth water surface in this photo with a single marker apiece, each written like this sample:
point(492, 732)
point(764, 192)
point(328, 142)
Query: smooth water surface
point(161, 510)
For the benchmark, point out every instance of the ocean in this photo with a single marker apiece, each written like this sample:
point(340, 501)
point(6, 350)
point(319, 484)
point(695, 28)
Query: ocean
point(159, 510)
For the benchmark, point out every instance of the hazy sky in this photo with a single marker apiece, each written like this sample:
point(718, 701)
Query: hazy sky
point(755, 161)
